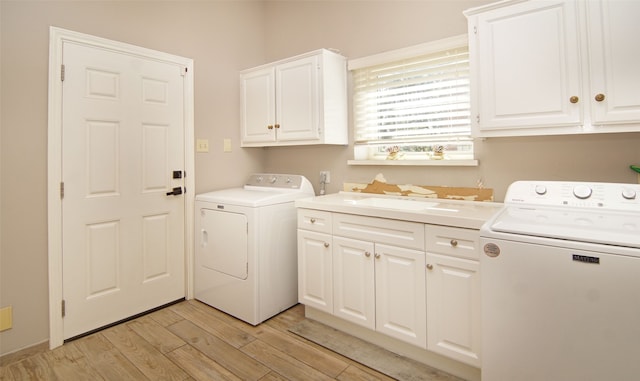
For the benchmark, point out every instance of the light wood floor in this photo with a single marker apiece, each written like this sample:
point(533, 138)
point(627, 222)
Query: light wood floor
point(190, 341)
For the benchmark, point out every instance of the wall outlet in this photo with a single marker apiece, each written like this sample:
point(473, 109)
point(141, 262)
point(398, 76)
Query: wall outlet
point(325, 176)
point(226, 145)
point(6, 318)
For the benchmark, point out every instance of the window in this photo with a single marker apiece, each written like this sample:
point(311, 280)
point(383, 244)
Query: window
point(413, 104)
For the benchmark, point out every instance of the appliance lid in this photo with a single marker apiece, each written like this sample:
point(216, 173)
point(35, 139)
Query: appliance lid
point(262, 189)
point(250, 197)
point(610, 228)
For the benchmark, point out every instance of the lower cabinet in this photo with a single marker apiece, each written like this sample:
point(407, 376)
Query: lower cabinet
point(453, 313)
point(380, 287)
point(315, 270)
point(415, 282)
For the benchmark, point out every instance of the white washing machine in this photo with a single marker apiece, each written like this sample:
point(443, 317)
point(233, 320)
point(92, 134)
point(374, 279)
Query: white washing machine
point(246, 248)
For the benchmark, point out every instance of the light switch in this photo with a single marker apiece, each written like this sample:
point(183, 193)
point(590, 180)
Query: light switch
point(6, 318)
point(202, 145)
point(227, 145)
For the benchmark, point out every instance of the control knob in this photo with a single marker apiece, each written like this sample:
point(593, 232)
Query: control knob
point(273, 179)
point(629, 194)
point(582, 191)
point(541, 190)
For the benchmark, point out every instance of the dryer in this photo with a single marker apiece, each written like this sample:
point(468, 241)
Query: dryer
point(246, 248)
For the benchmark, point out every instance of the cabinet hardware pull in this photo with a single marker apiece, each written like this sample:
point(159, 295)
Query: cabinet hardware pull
point(574, 99)
point(270, 127)
point(454, 243)
point(599, 97)
point(277, 126)
point(430, 266)
point(377, 255)
point(326, 244)
point(367, 254)
point(313, 220)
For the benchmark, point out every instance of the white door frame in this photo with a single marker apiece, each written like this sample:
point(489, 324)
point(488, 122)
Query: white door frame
point(57, 37)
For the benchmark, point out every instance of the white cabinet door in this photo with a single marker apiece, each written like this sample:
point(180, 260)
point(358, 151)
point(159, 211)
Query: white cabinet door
point(297, 100)
point(453, 309)
point(525, 67)
point(400, 294)
point(257, 106)
point(614, 54)
point(315, 280)
point(353, 281)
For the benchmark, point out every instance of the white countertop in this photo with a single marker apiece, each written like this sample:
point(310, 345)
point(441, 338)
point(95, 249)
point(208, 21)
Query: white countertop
point(464, 214)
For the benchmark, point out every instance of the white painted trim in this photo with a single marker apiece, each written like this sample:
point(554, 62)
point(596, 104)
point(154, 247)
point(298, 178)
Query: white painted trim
point(409, 52)
point(57, 37)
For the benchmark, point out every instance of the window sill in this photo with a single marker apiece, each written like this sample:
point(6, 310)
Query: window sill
point(424, 163)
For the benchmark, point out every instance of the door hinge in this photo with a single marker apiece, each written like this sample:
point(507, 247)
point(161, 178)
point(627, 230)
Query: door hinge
point(62, 73)
point(64, 308)
point(61, 190)
point(184, 71)
point(475, 29)
point(478, 118)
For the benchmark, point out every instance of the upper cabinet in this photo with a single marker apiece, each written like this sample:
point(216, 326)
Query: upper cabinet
point(297, 101)
point(554, 67)
point(613, 55)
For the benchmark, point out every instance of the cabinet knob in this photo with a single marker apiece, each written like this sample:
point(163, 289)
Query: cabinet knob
point(367, 254)
point(599, 97)
point(326, 244)
point(454, 242)
point(574, 99)
point(429, 266)
point(377, 255)
point(270, 127)
point(313, 220)
point(277, 126)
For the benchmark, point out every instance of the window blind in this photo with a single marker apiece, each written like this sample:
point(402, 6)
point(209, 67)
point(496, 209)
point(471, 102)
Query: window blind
point(413, 100)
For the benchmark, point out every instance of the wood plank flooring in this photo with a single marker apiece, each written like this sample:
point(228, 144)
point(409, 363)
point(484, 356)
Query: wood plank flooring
point(190, 341)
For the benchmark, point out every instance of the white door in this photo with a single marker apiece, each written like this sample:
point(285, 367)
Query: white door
point(315, 279)
point(353, 281)
point(401, 294)
point(224, 243)
point(528, 57)
point(257, 106)
point(297, 94)
point(122, 138)
point(453, 308)
point(613, 55)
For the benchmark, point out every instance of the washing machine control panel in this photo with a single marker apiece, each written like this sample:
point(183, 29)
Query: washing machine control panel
point(273, 180)
point(607, 196)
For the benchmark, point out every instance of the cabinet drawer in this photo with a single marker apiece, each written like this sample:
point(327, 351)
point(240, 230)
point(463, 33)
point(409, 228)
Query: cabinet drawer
point(390, 232)
point(457, 242)
point(314, 220)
